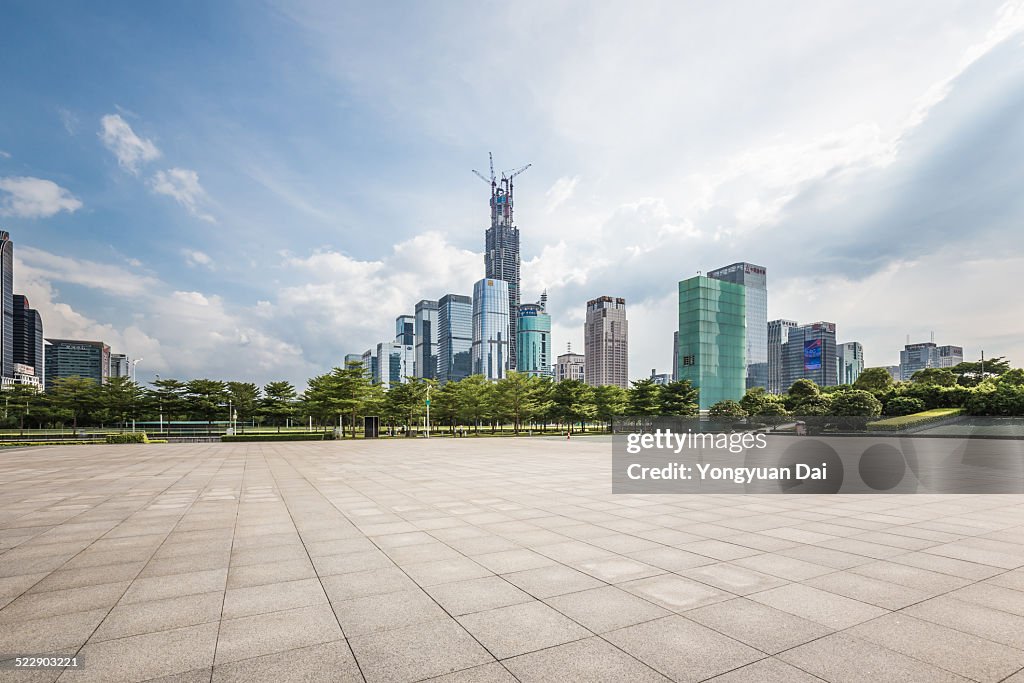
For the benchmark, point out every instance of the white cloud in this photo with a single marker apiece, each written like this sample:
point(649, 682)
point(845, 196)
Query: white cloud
point(5, 154)
point(40, 265)
point(182, 185)
point(194, 257)
point(130, 149)
point(27, 197)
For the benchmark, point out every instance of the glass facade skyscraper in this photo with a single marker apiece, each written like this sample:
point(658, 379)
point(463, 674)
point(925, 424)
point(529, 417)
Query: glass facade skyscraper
point(6, 308)
point(849, 362)
point(405, 330)
point(28, 335)
point(712, 338)
point(395, 363)
point(491, 340)
point(533, 340)
point(754, 278)
point(454, 338)
point(426, 339)
point(778, 334)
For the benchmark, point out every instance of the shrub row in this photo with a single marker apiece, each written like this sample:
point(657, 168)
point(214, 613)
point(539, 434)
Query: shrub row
point(301, 436)
point(914, 420)
point(127, 437)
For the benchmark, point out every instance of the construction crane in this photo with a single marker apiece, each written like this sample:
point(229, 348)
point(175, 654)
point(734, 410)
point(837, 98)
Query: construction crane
point(512, 174)
point(493, 180)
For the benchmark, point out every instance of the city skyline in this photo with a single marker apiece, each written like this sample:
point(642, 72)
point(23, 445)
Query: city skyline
point(153, 210)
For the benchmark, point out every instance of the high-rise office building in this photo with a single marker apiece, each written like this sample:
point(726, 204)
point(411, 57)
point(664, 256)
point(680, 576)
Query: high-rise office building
point(755, 279)
point(712, 338)
point(778, 334)
point(426, 339)
point(570, 366)
point(923, 355)
point(395, 363)
point(28, 335)
point(501, 247)
point(405, 330)
point(660, 378)
point(119, 366)
point(849, 362)
point(6, 308)
point(491, 340)
point(76, 358)
point(533, 339)
point(606, 342)
point(369, 362)
point(454, 338)
point(353, 358)
point(810, 353)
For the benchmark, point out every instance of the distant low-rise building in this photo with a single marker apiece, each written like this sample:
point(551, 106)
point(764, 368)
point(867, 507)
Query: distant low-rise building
point(660, 378)
point(570, 366)
point(924, 355)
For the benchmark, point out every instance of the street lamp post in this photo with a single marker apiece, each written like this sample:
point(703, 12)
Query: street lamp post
point(134, 363)
point(160, 400)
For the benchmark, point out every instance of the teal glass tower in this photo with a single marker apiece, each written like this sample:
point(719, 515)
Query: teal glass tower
point(533, 339)
point(712, 338)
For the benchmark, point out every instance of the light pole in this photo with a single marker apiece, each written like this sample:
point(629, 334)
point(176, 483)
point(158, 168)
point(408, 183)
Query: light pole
point(134, 363)
point(160, 400)
point(428, 411)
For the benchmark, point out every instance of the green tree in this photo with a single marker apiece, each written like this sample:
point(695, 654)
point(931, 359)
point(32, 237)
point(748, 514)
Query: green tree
point(206, 399)
point(474, 398)
point(644, 398)
point(903, 405)
point(572, 402)
point(727, 408)
point(121, 399)
point(18, 401)
point(167, 399)
point(803, 389)
point(516, 397)
point(73, 398)
point(277, 405)
point(941, 377)
point(855, 403)
point(680, 398)
point(971, 374)
point(1013, 377)
point(244, 397)
point(610, 400)
point(875, 380)
point(405, 402)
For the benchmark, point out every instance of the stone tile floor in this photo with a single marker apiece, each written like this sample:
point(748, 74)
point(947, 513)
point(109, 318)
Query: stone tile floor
point(486, 560)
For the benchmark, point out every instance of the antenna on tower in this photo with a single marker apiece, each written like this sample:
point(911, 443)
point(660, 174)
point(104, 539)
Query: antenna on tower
point(933, 336)
point(544, 300)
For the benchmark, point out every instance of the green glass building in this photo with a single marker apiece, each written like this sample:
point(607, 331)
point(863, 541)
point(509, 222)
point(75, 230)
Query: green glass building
point(712, 338)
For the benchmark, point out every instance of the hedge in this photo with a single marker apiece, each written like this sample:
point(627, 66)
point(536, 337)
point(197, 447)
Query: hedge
point(914, 420)
point(127, 437)
point(301, 436)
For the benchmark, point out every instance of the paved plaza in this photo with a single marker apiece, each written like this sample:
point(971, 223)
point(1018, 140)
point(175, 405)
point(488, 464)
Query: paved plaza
point(493, 559)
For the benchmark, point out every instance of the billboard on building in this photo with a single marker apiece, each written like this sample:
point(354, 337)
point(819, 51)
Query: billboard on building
point(812, 354)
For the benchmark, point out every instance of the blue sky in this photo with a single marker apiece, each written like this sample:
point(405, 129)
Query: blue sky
point(253, 190)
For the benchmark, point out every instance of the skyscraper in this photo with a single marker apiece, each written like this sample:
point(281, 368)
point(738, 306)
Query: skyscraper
point(533, 339)
point(491, 340)
point(353, 358)
point(712, 338)
point(6, 308)
point(426, 339)
point(28, 335)
point(570, 366)
point(454, 338)
point(778, 334)
point(923, 355)
point(755, 279)
point(849, 362)
point(369, 361)
point(501, 245)
point(606, 342)
point(119, 365)
point(395, 363)
point(810, 353)
point(405, 330)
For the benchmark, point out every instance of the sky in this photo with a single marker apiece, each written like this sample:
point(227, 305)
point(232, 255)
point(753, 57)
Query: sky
point(251, 190)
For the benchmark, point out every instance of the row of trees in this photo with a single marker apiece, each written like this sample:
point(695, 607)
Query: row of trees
point(344, 395)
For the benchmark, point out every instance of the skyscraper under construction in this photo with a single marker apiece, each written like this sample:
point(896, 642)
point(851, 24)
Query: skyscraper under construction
point(501, 254)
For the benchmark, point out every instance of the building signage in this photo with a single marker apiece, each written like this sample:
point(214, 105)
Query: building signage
point(812, 354)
